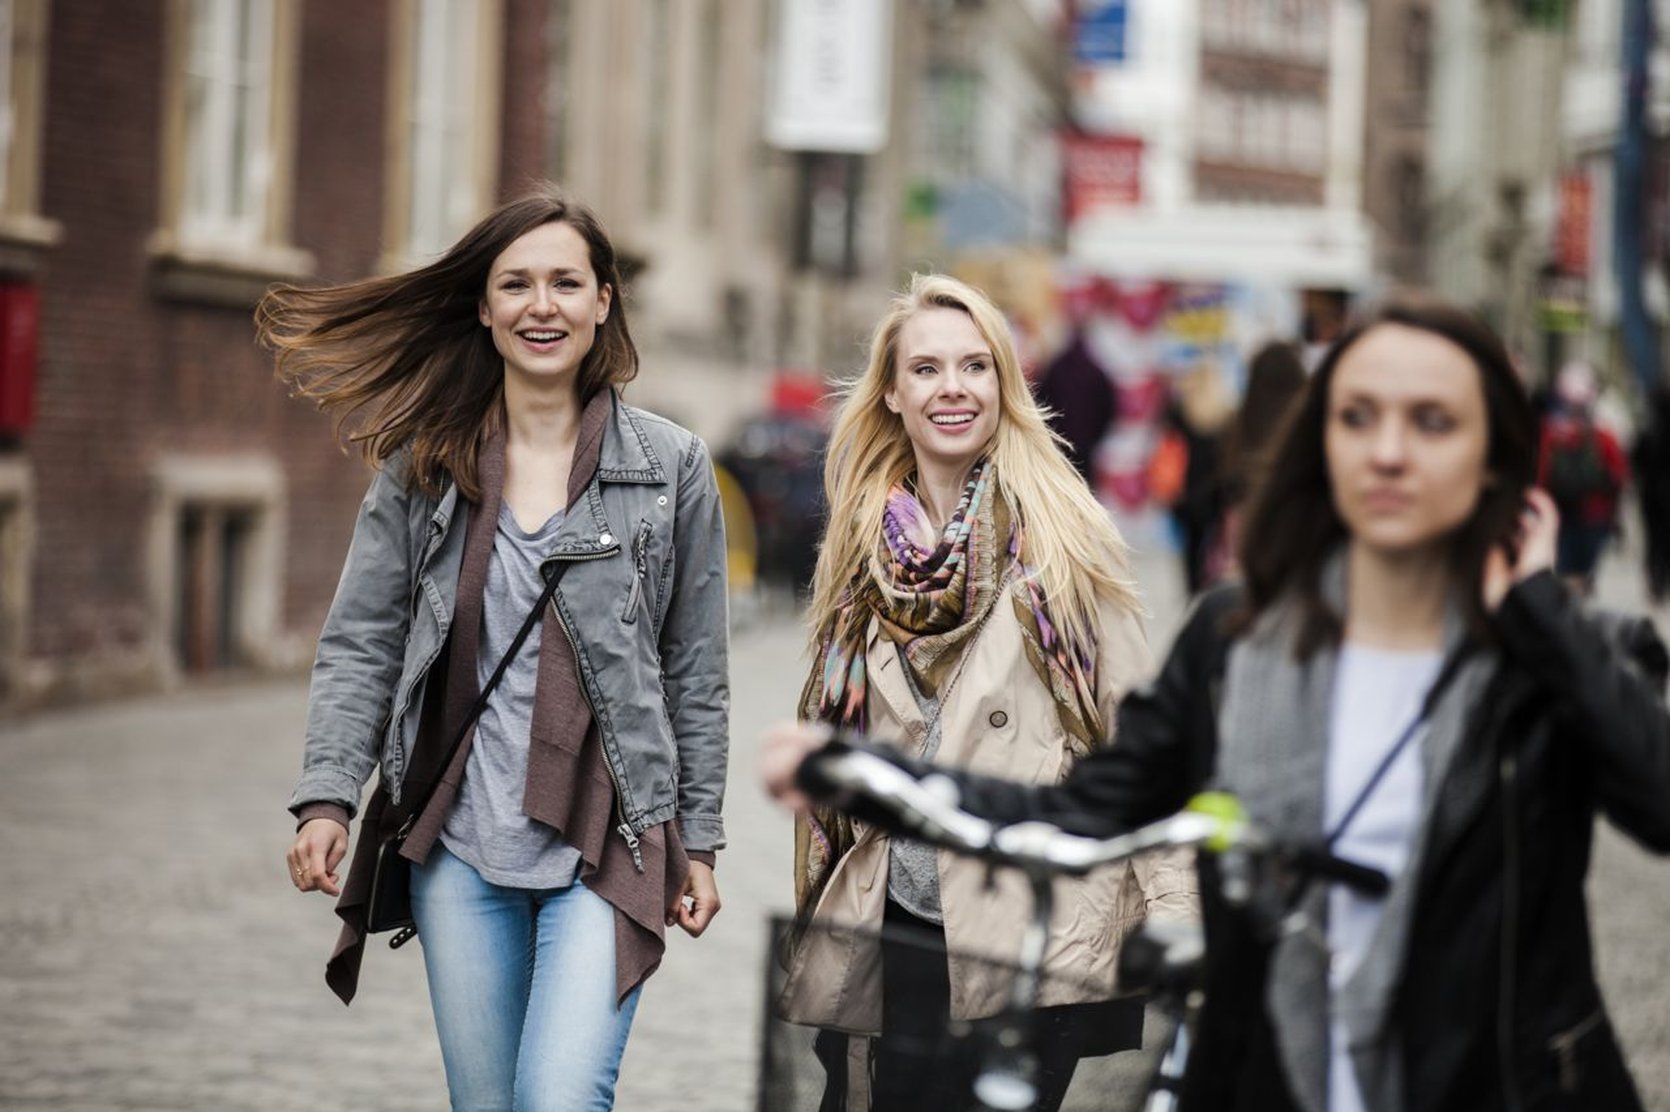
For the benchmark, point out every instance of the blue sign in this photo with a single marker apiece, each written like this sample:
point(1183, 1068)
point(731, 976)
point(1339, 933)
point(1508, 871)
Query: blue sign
point(1100, 32)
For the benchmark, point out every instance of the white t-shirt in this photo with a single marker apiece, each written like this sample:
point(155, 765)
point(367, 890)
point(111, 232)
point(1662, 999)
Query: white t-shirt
point(1377, 694)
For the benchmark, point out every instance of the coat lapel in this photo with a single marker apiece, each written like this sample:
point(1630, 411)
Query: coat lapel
point(887, 680)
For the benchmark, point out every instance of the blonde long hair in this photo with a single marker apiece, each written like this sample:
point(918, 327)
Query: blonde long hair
point(1070, 543)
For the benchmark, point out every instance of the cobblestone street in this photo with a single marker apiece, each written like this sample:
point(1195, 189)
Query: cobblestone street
point(153, 955)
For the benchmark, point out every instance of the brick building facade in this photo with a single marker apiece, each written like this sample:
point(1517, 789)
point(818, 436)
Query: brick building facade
point(169, 509)
point(166, 510)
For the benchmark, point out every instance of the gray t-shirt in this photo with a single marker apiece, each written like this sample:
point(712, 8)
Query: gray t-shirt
point(913, 866)
point(486, 827)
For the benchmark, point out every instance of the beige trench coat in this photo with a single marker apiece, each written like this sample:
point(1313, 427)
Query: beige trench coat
point(997, 719)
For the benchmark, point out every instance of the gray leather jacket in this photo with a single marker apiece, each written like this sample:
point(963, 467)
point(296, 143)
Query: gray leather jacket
point(643, 603)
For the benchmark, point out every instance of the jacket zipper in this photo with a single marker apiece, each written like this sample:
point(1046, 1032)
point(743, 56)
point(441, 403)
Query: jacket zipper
point(624, 828)
point(1564, 1046)
point(640, 551)
point(1510, 935)
point(395, 761)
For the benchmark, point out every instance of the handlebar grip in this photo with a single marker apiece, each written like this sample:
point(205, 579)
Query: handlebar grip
point(1318, 861)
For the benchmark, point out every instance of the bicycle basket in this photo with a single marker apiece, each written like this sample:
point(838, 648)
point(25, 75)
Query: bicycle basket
point(823, 1048)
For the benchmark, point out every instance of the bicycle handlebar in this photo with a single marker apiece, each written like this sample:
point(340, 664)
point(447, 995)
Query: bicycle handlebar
point(928, 809)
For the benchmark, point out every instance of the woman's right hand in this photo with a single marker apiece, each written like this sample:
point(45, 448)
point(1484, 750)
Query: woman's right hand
point(1534, 549)
point(318, 849)
point(787, 744)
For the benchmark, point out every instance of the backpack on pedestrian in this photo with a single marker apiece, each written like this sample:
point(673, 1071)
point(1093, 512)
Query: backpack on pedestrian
point(1577, 470)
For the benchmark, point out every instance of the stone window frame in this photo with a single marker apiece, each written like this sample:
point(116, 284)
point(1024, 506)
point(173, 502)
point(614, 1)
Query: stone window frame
point(409, 100)
point(253, 484)
point(24, 231)
point(201, 265)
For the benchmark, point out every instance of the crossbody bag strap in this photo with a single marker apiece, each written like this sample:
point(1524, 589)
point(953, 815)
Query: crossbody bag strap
point(551, 579)
point(1446, 674)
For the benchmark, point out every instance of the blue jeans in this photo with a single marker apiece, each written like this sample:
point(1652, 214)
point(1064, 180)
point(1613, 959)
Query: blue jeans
point(522, 982)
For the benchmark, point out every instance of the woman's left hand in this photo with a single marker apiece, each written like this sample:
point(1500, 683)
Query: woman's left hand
point(698, 903)
point(1534, 548)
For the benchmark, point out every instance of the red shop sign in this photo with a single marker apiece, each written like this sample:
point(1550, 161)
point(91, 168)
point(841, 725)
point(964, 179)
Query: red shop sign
point(1101, 171)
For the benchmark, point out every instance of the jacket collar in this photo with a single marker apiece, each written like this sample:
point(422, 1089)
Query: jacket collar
point(586, 530)
point(627, 455)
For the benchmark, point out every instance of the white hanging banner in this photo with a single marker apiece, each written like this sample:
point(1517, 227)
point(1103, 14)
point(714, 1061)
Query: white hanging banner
point(834, 65)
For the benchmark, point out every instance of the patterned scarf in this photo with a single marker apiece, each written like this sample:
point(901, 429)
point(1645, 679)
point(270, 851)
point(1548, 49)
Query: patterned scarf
point(932, 603)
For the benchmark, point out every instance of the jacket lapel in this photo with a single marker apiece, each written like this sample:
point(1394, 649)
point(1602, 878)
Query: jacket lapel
point(887, 680)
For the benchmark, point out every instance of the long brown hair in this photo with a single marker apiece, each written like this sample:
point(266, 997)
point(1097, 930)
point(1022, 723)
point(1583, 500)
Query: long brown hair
point(1292, 526)
point(405, 357)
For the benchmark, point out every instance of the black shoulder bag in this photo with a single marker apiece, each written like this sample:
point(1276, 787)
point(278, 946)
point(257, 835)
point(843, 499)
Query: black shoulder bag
point(389, 907)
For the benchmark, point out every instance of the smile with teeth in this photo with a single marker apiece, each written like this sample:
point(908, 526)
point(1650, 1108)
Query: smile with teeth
point(542, 335)
point(951, 419)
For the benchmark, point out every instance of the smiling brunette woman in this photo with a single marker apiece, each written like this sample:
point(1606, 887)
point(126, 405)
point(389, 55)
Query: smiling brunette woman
point(580, 815)
point(970, 596)
point(1403, 680)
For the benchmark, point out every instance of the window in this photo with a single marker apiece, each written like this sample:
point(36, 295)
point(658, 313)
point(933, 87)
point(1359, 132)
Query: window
point(1284, 28)
point(229, 113)
point(23, 27)
point(444, 129)
point(1307, 137)
point(949, 113)
point(229, 121)
point(1218, 126)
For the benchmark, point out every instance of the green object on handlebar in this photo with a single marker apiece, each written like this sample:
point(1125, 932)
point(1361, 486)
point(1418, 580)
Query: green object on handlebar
point(1227, 810)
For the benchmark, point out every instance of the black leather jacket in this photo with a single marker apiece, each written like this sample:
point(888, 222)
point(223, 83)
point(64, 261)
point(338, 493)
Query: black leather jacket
point(1499, 1008)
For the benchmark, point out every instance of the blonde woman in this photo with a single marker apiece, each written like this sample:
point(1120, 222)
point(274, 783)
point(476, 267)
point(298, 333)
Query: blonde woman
point(973, 598)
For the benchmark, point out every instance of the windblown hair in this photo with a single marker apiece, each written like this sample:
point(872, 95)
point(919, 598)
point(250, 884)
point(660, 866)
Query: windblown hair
point(1071, 545)
point(1292, 526)
point(406, 359)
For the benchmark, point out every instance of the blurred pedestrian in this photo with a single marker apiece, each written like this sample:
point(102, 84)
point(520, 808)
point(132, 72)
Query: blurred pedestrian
point(1583, 468)
point(580, 814)
point(1199, 413)
point(1275, 379)
point(1651, 459)
point(1080, 400)
point(972, 596)
point(1401, 681)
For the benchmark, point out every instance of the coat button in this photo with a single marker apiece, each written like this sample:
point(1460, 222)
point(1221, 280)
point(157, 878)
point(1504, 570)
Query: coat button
point(998, 719)
point(606, 539)
point(661, 501)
